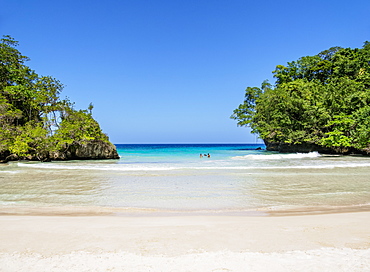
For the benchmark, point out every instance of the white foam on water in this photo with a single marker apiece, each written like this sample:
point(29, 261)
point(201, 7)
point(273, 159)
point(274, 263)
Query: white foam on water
point(217, 165)
point(113, 167)
point(278, 156)
point(9, 172)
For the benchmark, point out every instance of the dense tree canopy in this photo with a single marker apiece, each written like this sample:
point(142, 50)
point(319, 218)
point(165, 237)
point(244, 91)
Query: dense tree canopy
point(322, 100)
point(34, 120)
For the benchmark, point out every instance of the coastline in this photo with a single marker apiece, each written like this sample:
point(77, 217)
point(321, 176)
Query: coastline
point(77, 211)
point(333, 241)
point(262, 212)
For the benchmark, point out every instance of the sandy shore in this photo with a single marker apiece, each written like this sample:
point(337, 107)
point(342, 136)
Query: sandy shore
point(326, 242)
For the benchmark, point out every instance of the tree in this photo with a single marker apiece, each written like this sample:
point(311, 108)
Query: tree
point(34, 120)
point(322, 100)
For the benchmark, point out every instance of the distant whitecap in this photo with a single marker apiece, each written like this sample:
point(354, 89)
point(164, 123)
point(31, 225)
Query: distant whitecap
point(278, 156)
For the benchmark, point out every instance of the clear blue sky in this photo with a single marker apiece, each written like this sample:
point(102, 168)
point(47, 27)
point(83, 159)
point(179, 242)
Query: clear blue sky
point(173, 71)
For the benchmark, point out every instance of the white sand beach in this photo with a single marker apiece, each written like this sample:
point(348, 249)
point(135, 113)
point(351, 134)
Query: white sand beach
point(325, 242)
point(296, 212)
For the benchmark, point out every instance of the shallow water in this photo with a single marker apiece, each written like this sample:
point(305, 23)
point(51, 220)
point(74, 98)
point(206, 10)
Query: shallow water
point(174, 177)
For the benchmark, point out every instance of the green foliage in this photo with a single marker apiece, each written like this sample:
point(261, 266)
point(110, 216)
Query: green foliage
point(34, 120)
point(32, 139)
point(322, 99)
point(77, 126)
point(339, 135)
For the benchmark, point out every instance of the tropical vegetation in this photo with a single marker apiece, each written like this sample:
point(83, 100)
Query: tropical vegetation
point(321, 100)
point(34, 120)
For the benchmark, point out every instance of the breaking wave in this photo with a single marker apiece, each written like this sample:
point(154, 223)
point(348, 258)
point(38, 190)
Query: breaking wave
point(278, 156)
point(221, 165)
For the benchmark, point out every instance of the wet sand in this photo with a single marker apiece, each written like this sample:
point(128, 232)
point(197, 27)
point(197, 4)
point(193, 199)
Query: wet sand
point(329, 242)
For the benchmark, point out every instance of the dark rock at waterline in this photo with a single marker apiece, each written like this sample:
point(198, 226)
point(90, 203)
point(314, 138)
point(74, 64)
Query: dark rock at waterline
point(6, 156)
point(12, 157)
point(92, 150)
point(95, 150)
point(306, 147)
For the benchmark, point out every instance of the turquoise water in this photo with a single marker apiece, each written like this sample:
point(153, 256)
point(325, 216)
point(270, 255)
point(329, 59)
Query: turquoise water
point(175, 177)
point(161, 156)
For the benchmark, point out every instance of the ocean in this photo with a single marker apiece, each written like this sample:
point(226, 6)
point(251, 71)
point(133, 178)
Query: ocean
point(236, 178)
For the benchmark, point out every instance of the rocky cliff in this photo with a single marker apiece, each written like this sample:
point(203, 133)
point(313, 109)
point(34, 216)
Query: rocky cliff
point(306, 147)
point(92, 150)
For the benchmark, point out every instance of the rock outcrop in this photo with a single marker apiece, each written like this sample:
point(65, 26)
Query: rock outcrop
point(92, 150)
point(306, 147)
